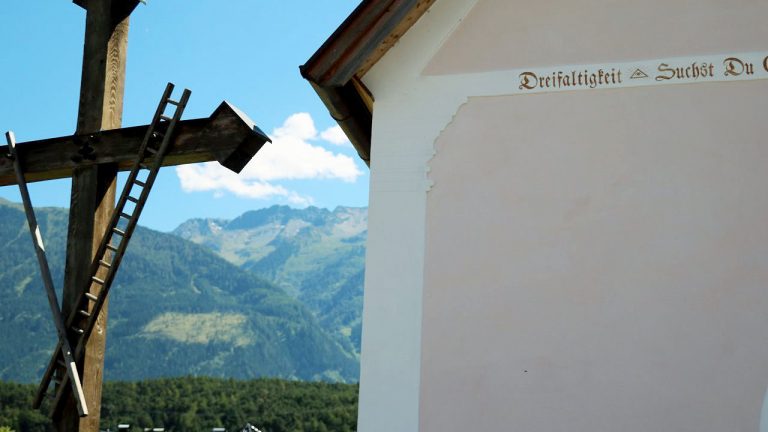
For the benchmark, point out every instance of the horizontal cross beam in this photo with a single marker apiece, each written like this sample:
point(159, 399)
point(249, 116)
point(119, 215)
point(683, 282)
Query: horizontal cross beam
point(227, 136)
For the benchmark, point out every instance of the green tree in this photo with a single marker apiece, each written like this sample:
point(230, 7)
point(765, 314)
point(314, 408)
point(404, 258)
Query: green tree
point(194, 404)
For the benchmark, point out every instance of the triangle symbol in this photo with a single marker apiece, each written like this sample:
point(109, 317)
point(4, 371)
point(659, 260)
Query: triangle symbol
point(638, 73)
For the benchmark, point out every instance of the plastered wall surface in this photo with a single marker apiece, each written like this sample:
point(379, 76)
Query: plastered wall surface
point(598, 261)
point(505, 34)
point(575, 261)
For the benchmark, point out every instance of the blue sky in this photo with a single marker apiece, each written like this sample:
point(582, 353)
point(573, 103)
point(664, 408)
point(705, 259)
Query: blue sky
point(244, 51)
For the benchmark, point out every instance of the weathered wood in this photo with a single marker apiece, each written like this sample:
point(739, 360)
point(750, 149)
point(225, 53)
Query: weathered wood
point(92, 157)
point(336, 69)
point(63, 348)
point(348, 108)
point(93, 190)
point(103, 255)
point(227, 136)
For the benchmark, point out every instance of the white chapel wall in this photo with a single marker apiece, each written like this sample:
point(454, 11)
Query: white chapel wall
point(509, 34)
point(599, 263)
point(576, 261)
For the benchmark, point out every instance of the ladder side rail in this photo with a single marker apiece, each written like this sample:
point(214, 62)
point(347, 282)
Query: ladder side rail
point(42, 388)
point(100, 253)
point(102, 248)
point(132, 222)
point(148, 137)
point(45, 271)
point(122, 200)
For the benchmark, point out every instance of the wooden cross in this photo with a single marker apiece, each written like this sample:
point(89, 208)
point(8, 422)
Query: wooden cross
point(93, 156)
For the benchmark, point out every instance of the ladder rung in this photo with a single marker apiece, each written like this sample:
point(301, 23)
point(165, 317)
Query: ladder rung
point(151, 150)
point(165, 117)
point(145, 166)
point(130, 198)
point(97, 280)
point(78, 330)
point(173, 102)
point(61, 363)
point(125, 215)
point(91, 296)
point(140, 183)
point(110, 246)
point(105, 264)
point(118, 232)
point(84, 313)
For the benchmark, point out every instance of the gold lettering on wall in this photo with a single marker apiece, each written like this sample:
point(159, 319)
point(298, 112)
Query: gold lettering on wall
point(563, 80)
point(528, 80)
point(679, 70)
point(693, 71)
point(735, 67)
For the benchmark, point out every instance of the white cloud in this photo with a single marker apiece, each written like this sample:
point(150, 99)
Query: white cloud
point(335, 135)
point(290, 157)
point(213, 177)
point(299, 125)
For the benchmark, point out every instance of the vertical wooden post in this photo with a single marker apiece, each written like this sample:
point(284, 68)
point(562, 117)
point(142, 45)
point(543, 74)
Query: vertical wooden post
point(93, 187)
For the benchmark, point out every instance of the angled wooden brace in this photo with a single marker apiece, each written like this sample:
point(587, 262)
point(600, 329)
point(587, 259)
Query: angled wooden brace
point(37, 240)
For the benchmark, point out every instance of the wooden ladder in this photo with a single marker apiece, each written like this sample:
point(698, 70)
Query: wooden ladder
point(113, 245)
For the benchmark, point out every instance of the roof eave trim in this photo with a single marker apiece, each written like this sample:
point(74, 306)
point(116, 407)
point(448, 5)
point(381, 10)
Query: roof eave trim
point(357, 39)
point(348, 108)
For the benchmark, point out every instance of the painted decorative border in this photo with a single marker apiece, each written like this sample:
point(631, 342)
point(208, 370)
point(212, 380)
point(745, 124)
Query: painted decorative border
point(666, 71)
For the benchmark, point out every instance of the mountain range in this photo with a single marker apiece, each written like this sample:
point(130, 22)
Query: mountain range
point(276, 292)
point(315, 255)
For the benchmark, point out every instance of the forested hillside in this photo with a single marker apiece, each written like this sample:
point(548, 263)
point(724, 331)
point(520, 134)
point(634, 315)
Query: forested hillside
point(315, 255)
point(175, 309)
point(200, 404)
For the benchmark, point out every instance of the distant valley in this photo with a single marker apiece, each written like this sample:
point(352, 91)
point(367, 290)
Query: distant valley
point(276, 292)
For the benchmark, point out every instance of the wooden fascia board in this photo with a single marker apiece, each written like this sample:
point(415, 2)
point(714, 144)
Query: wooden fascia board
point(404, 24)
point(334, 62)
point(349, 109)
point(362, 39)
point(336, 69)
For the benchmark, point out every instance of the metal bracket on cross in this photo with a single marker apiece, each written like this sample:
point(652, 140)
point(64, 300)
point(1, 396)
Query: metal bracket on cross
point(64, 348)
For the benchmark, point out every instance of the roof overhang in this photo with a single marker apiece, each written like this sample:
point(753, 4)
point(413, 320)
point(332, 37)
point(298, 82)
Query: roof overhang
point(337, 68)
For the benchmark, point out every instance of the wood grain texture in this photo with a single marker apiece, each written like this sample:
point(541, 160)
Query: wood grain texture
point(93, 193)
point(228, 136)
point(93, 156)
